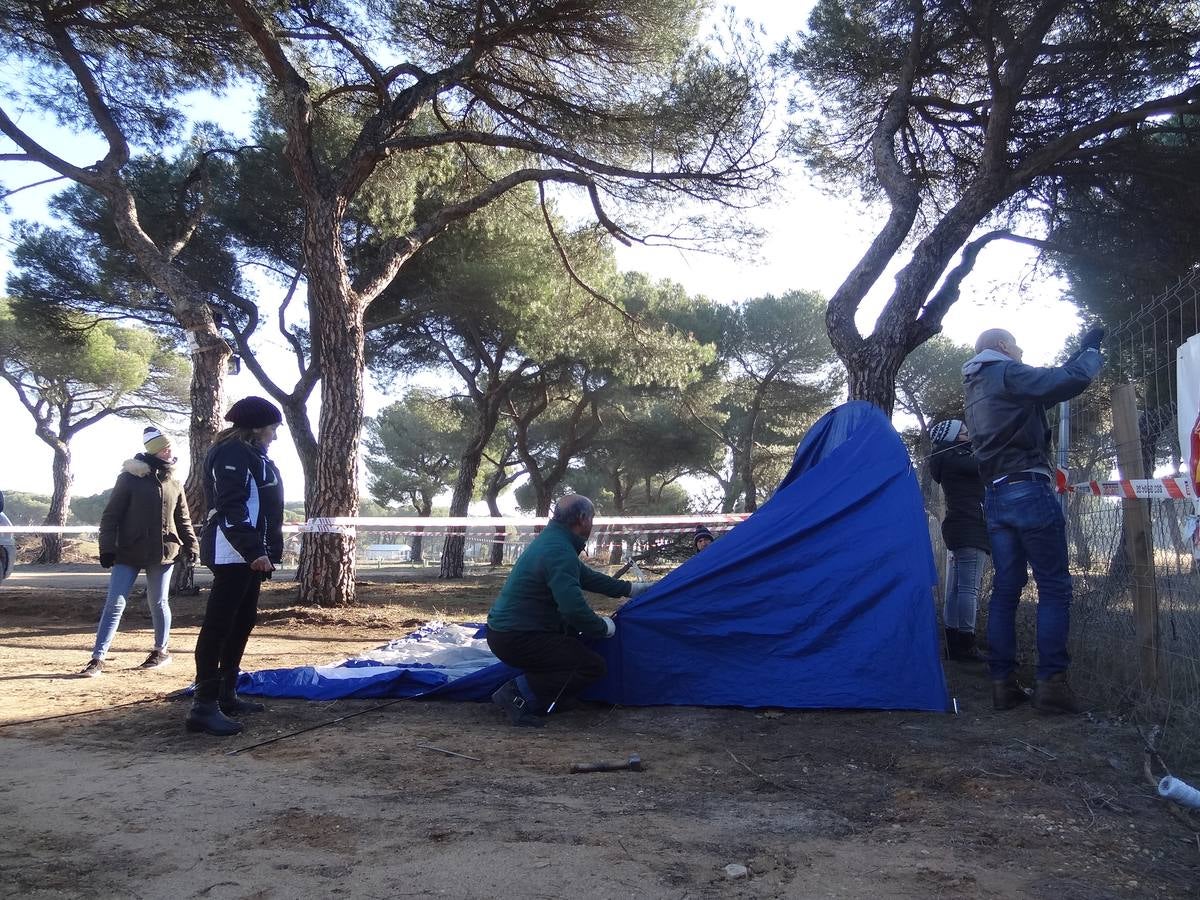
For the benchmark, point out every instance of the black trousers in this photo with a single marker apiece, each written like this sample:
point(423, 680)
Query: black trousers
point(228, 620)
point(557, 666)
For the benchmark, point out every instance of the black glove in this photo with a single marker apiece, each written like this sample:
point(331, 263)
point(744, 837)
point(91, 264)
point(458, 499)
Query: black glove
point(107, 560)
point(1093, 339)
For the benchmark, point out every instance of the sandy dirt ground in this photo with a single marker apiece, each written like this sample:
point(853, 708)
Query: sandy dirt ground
point(122, 802)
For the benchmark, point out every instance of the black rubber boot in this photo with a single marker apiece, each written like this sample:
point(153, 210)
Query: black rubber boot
point(233, 705)
point(1008, 694)
point(206, 716)
point(508, 698)
point(1054, 696)
point(966, 651)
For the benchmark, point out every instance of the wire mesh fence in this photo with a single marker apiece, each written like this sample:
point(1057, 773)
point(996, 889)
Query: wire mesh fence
point(1136, 612)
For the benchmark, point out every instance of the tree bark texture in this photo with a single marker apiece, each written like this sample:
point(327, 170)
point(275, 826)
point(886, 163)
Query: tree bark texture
point(327, 563)
point(496, 557)
point(59, 503)
point(460, 503)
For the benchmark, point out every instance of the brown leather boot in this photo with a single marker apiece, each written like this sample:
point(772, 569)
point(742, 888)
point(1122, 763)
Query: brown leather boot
point(1008, 694)
point(1055, 697)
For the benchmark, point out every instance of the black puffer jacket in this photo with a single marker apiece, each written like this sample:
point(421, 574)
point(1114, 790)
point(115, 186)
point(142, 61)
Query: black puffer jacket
point(146, 522)
point(954, 468)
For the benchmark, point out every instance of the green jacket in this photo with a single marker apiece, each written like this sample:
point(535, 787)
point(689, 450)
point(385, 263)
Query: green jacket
point(544, 591)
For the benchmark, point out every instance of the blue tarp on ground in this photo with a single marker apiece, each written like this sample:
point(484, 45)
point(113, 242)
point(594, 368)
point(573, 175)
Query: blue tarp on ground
point(821, 599)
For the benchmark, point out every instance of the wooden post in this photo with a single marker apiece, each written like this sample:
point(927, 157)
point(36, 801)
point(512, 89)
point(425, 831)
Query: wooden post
point(1139, 541)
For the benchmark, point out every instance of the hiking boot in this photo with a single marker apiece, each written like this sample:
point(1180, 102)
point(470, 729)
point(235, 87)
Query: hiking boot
point(92, 669)
point(233, 705)
point(1055, 697)
point(206, 716)
point(156, 660)
point(508, 698)
point(963, 649)
point(1008, 694)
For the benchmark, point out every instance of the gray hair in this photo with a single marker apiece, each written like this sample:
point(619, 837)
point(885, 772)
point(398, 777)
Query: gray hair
point(572, 509)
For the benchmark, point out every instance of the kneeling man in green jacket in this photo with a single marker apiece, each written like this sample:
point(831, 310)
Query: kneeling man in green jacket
point(537, 621)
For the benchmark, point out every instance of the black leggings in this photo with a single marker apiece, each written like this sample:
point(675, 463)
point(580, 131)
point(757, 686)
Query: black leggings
point(555, 665)
point(228, 620)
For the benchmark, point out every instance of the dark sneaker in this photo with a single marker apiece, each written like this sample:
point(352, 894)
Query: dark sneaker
point(1055, 697)
point(508, 698)
point(93, 668)
point(156, 660)
point(1008, 694)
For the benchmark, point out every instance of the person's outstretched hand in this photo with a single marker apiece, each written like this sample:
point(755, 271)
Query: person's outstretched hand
point(1093, 339)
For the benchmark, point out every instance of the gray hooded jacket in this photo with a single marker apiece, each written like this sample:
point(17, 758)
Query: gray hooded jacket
point(1006, 408)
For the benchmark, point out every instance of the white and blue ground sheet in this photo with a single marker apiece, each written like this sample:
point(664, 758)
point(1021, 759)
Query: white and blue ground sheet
point(442, 660)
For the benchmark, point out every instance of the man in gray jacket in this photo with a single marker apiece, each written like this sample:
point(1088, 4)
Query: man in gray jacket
point(1006, 417)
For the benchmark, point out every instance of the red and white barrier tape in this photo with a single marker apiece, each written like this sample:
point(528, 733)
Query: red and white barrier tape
point(1173, 487)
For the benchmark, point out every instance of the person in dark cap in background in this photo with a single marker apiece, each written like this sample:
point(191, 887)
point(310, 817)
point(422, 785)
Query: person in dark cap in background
point(242, 542)
point(145, 526)
point(702, 538)
point(537, 622)
point(965, 532)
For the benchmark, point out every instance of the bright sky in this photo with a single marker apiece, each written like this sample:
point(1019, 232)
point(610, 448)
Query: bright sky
point(812, 241)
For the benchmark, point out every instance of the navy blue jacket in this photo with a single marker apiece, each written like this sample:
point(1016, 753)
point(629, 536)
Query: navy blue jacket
point(245, 506)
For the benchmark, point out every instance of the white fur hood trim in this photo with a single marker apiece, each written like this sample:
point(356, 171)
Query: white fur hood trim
point(136, 467)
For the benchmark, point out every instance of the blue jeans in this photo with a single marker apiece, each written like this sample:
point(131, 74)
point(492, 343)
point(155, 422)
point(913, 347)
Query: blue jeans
point(158, 584)
point(963, 575)
point(1026, 527)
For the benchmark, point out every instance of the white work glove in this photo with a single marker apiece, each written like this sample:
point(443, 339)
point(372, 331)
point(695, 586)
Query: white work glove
point(638, 587)
point(610, 627)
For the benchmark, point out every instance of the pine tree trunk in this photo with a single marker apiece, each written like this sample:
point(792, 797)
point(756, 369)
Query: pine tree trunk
point(295, 413)
point(872, 374)
point(59, 503)
point(327, 565)
point(205, 391)
point(416, 545)
point(497, 555)
point(460, 504)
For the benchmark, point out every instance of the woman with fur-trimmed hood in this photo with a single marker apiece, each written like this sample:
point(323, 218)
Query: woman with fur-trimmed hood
point(145, 526)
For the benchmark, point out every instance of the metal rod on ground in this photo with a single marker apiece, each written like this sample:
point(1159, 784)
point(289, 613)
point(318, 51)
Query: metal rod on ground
point(299, 731)
point(84, 712)
point(448, 752)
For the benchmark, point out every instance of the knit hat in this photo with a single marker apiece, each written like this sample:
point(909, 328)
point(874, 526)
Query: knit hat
point(701, 533)
point(254, 412)
point(156, 442)
point(946, 432)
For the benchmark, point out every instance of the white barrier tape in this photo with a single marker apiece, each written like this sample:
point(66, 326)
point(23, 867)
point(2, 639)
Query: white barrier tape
point(48, 529)
point(348, 524)
point(524, 522)
point(1173, 487)
point(436, 531)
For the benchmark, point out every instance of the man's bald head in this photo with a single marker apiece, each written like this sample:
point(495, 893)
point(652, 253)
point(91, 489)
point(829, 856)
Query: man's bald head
point(575, 511)
point(999, 340)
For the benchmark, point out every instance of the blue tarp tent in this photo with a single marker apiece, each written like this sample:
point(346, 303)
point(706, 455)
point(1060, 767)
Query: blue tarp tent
point(821, 599)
